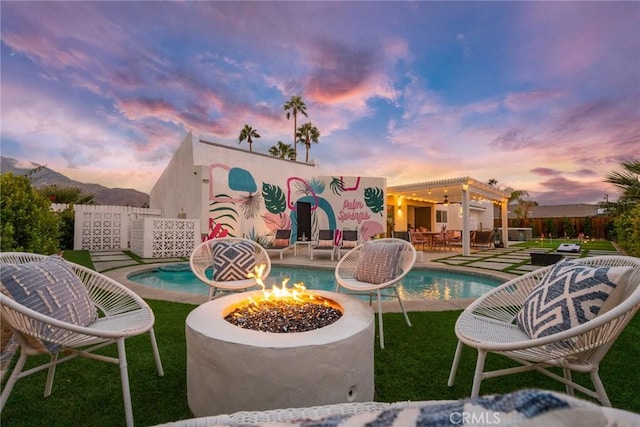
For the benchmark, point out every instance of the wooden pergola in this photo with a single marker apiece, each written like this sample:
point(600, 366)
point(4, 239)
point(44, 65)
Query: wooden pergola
point(457, 190)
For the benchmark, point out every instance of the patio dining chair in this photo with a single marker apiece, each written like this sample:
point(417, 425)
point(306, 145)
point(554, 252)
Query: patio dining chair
point(224, 264)
point(65, 310)
point(406, 235)
point(555, 317)
point(373, 267)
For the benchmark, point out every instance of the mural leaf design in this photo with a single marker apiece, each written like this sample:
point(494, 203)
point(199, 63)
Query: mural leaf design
point(317, 185)
point(251, 205)
point(224, 213)
point(336, 185)
point(374, 198)
point(274, 199)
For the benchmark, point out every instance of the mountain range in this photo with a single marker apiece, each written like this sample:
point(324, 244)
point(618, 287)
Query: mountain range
point(103, 195)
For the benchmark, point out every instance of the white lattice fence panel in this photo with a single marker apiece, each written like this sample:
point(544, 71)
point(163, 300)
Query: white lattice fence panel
point(101, 230)
point(137, 237)
point(173, 237)
point(104, 227)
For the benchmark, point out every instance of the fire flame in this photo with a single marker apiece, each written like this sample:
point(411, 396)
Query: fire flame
point(278, 295)
point(297, 294)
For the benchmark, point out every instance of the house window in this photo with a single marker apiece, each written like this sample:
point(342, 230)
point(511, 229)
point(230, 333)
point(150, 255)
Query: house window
point(441, 216)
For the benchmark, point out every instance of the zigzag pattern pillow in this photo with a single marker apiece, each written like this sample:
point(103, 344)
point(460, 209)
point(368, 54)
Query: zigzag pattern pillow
point(378, 262)
point(232, 260)
point(569, 295)
point(52, 288)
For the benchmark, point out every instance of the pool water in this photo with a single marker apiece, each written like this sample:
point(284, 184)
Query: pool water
point(418, 284)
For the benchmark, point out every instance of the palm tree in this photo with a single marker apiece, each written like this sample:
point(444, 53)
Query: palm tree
point(248, 133)
point(308, 133)
point(294, 106)
point(521, 197)
point(283, 151)
point(628, 181)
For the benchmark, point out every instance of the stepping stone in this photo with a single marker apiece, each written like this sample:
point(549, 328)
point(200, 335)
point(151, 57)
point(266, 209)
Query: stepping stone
point(489, 265)
point(98, 253)
point(453, 261)
point(510, 259)
point(114, 257)
point(526, 268)
point(108, 265)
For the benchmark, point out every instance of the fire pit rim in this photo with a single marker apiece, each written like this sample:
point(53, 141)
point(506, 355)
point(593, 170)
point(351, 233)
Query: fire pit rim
point(211, 313)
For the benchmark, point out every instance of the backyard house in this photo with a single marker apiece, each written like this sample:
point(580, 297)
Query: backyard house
point(232, 191)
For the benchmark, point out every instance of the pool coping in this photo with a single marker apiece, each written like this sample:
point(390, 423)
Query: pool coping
point(148, 292)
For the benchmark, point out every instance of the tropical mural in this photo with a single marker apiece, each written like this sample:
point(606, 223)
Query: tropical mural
point(241, 204)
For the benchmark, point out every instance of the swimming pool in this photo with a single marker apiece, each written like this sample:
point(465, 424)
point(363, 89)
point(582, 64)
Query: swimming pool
point(419, 284)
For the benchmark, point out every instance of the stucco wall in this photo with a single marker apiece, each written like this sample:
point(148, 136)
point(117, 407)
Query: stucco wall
point(247, 194)
point(179, 188)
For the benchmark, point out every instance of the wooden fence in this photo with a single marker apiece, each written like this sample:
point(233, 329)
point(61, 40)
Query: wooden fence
point(595, 227)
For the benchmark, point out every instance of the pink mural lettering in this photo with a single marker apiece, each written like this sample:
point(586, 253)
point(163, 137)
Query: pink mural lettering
point(353, 210)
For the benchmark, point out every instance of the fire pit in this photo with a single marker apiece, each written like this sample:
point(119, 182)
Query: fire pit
point(231, 367)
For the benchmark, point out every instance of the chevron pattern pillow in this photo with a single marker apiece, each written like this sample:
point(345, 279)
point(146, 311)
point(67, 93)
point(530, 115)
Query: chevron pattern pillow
point(232, 260)
point(569, 295)
point(378, 262)
point(50, 287)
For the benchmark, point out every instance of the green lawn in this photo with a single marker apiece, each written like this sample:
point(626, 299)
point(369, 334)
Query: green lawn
point(413, 366)
point(601, 245)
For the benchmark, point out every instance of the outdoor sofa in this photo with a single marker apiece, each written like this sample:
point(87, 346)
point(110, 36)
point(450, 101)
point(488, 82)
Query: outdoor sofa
point(524, 408)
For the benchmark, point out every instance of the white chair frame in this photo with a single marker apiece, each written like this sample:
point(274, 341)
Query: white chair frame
point(346, 268)
point(488, 326)
point(122, 314)
point(201, 261)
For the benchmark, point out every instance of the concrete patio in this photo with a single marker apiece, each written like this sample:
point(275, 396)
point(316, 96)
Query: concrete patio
point(503, 263)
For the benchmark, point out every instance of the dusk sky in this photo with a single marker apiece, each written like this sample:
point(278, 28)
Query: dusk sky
point(541, 96)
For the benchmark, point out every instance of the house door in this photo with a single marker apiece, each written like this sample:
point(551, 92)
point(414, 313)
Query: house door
point(303, 214)
point(423, 217)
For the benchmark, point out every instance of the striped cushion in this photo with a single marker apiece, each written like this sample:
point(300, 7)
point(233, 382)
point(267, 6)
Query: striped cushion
point(232, 260)
point(325, 243)
point(280, 243)
point(569, 295)
point(50, 287)
point(378, 262)
point(349, 243)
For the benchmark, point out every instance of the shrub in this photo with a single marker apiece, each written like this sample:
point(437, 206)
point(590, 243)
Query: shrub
point(627, 230)
point(28, 224)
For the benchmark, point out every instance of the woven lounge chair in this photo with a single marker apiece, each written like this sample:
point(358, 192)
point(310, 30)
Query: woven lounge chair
point(325, 243)
point(281, 243)
point(373, 267)
point(489, 326)
point(349, 241)
point(120, 314)
point(224, 264)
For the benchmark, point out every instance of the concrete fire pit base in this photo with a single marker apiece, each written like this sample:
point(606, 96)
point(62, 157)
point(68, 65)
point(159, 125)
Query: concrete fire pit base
point(232, 369)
